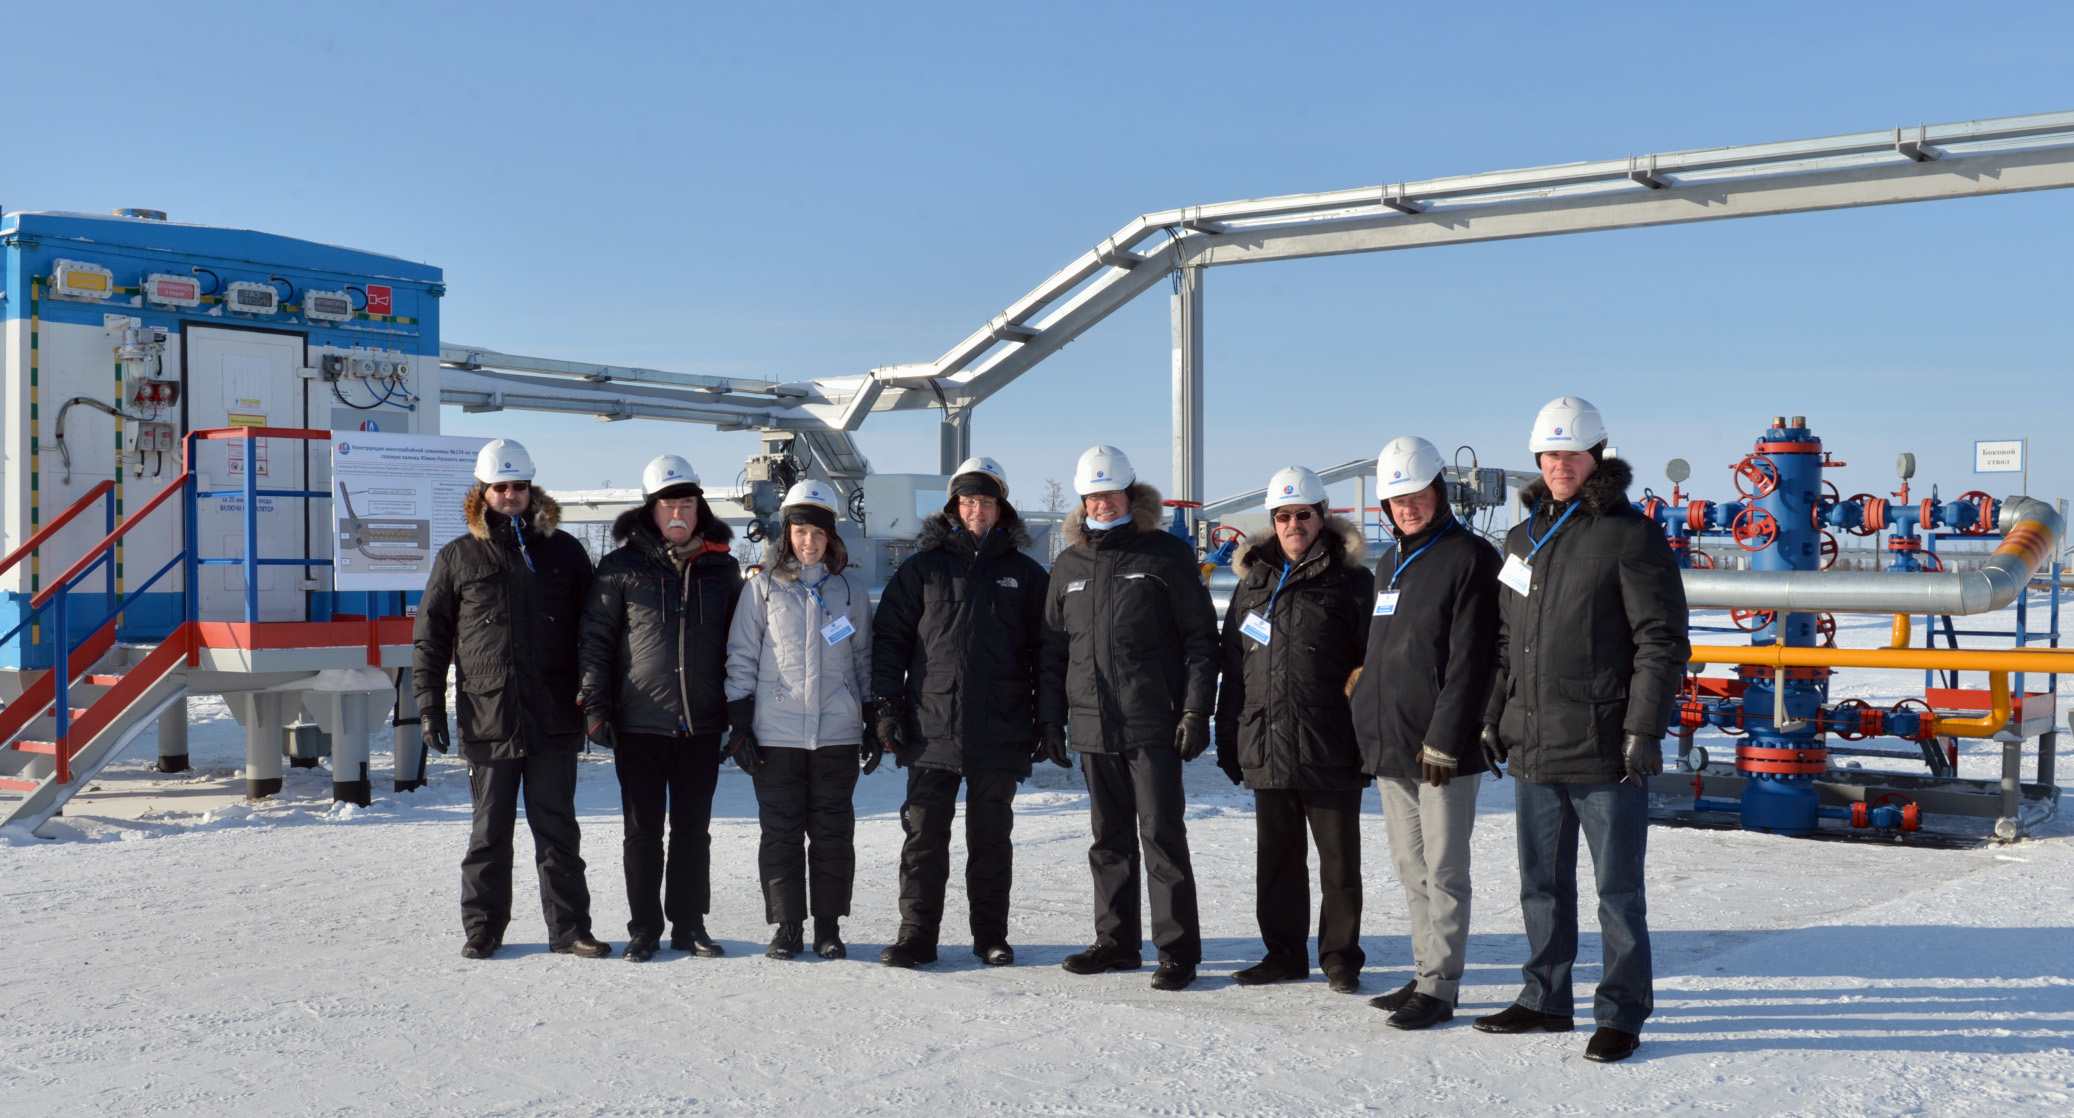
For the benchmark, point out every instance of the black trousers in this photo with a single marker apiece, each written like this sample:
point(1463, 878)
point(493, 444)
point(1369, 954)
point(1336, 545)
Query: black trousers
point(803, 795)
point(667, 779)
point(1132, 797)
point(1283, 874)
point(925, 858)
point(548, 782)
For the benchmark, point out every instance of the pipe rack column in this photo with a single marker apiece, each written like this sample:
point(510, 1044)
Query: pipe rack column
point(408, 735)
point(953, 439)
point(1188, 388)
point(172, 737)
point(262, 743)
point(350, 717)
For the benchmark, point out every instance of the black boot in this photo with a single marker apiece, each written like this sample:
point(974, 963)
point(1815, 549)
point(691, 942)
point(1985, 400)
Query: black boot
point(693, 938)
point(1395, 999)
point(784, 941)
point(908, 951)
point(1104, 956)
point(585, 946)
point(828, 939)
point(640, 949)
point(1270, 970)
point(1172, 975)
point(1608, 1046)
point(1423, 1011)
point(995, 954)
point(1517, 1018)
point(481, 945)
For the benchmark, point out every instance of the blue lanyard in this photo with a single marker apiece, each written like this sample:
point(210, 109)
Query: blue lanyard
point(1278, 591)
point(525, 554)
point(1552, 530)
point(815, 590)
point(1407, 560)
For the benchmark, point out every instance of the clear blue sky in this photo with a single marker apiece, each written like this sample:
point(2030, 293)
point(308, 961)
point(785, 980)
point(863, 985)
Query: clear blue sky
point(792, 190)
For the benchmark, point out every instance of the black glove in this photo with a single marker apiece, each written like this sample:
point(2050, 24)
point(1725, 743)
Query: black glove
point(1435, 774)
point(432, 729)
point(1228, 751)
point(1494, 751)
point(1051, 745)
point(1192, 736)
point(597, 721)
point(1641, 757)
point(741, 735)
point(886, 727)
point(869, 754)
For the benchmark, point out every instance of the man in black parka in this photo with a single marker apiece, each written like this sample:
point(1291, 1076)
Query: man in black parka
point(501, 607)
point(1130, 664)
point(1418, 706)
point(1293, 636)
point(955, 641)
point(1591, 649)
point(654, 654)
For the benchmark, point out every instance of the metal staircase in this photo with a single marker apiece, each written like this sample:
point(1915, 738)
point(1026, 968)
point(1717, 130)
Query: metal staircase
point(115, 692)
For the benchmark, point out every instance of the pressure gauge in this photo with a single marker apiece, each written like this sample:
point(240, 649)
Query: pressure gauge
point(1677, 470)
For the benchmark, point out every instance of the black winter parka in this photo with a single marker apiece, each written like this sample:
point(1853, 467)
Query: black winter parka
point(955, 641)
point(1282, 708)
point(1130, 636)
point(1597, 649)
point(1427, 671)
point(506, 620)
point(654, 638)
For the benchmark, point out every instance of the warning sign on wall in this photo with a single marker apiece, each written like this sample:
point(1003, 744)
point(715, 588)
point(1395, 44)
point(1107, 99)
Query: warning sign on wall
point(380, 300)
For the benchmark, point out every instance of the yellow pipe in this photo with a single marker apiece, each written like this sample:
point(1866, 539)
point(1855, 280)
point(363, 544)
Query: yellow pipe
point(1997, 716)
point(1950, 659)
point(1901, 633)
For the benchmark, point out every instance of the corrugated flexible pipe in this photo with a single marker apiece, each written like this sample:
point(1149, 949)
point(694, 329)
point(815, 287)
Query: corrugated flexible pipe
point(2031, 533)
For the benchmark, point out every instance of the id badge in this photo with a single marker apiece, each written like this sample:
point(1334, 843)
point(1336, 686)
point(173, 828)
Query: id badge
point(837, 631)
point(1386, 602)
point(1517, 576)
point(1257, 627)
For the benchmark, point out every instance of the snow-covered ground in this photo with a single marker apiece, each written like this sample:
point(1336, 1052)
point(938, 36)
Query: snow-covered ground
point(172, 949)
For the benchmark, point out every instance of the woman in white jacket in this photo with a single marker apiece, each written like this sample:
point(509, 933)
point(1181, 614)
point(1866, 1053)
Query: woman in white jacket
point(798, 668)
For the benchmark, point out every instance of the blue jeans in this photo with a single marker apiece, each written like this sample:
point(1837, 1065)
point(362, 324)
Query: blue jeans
point(1615, 820)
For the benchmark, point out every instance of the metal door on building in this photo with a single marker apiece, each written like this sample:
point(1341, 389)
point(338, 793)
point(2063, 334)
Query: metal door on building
point(248, 378)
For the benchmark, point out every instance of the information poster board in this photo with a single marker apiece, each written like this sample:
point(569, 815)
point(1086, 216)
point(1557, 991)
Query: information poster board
point(396, 500)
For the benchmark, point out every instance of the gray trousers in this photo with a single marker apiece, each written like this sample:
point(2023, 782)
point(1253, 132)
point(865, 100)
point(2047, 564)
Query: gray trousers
point(1428, 829)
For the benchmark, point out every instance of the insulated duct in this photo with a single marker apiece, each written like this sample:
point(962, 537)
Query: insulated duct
point(2031, 536)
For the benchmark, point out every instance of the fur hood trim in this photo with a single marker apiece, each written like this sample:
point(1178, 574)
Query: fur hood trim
point(938, 528)
point(1604, 492)
point(546, 512)
point(1343, 545)
point(640, 519)
point(1148, 514)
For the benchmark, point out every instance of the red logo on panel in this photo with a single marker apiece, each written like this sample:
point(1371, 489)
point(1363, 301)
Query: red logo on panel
point(379, 299)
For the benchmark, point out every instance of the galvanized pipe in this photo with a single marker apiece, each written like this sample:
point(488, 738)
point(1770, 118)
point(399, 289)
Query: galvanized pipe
point(2031, 534)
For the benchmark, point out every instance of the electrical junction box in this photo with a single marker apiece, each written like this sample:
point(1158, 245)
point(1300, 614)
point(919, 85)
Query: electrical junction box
point(327, 306)
point(251, 298)
point(896, 504)
point(172, 291)
point(73, 279)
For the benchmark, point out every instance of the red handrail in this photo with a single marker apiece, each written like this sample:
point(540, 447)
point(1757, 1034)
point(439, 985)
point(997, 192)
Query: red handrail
point(262, 433)
point(121, 530)
point(48, 530)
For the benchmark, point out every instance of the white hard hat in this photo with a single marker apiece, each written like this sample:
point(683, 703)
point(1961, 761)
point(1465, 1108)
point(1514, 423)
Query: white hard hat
point(1406, 466)
point(1567, 423)
point(666, 472)
point(1103, 469)
point(1294, 485)
point(810, 493)
point(503, 460)
point(985, 466)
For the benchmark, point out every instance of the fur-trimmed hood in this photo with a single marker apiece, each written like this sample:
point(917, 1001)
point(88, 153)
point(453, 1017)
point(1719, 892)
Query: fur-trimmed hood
point(1148, 514)
point(1604, 492)
point(938, 528)
point(1342, 540)
point(543, 514)
point(637, 525)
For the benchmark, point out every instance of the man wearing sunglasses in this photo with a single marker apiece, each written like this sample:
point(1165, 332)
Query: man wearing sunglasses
point(1293, 634)
point(1129, 665)
point(501, 607)
point(1591, 650)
